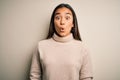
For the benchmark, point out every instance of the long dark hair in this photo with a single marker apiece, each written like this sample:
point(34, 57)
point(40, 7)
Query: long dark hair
point(74, 30)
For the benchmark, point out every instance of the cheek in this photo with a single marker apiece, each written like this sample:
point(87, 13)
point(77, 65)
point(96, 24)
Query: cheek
point(56, 23)
point(70, 25)
point(70, 28)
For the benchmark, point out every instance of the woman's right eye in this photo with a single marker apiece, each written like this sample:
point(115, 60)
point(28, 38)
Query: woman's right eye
point(57, 17)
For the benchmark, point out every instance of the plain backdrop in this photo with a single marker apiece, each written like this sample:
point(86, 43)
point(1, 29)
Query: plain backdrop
point(25, 22)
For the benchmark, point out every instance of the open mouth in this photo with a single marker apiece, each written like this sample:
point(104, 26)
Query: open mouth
point(62, 30)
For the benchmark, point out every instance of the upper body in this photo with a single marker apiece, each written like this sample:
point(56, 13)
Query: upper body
point(61, 59)
point(62, 56)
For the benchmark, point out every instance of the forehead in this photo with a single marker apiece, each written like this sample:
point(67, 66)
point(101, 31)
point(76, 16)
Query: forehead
point(63, 10)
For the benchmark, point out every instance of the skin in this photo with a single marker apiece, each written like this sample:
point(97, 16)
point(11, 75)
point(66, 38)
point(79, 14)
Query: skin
point(63, 21)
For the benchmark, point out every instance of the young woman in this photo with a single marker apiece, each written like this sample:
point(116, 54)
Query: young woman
point(62, 56)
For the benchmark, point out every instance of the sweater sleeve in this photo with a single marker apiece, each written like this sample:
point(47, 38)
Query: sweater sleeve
point(35, 71)
point(86, 68)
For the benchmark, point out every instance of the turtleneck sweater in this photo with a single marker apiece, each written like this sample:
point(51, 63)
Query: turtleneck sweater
point(61, 58)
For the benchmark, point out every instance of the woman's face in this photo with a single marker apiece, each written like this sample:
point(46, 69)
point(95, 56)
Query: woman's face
point(63, 21)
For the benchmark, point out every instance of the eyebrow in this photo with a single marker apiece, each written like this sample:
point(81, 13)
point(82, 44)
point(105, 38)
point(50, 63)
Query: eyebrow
point(65, 13)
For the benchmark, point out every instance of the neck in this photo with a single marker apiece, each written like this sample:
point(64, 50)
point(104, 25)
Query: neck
point(63, 39)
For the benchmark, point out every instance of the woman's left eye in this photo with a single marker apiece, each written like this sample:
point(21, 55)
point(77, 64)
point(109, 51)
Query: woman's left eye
point(67, 18)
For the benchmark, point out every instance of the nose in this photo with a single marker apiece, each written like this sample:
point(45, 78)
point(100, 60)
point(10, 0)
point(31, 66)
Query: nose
point(62, 21)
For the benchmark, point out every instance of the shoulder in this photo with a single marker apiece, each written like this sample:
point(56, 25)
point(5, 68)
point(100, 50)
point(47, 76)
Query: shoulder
point(42, 45)
point(79, 43)
point(82, 46)
point(44, 42)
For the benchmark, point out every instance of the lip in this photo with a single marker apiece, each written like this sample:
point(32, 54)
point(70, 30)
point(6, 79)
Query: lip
point(62, 30)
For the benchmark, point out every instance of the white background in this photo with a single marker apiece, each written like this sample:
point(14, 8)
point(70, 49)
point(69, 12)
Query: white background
point(24, 22)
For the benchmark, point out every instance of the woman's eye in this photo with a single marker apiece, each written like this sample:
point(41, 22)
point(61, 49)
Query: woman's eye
point(57, 17)
point(67, 18)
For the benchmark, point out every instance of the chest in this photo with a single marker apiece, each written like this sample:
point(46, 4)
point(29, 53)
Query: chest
point(62, 56)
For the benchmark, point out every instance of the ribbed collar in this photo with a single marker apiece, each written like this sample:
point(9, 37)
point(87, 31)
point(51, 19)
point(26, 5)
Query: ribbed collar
point(63, 39)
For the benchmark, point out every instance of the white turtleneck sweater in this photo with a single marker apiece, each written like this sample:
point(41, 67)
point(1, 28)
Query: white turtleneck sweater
point(61, 58)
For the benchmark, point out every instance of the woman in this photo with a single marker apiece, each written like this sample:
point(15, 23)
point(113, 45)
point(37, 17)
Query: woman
point(62, 56)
